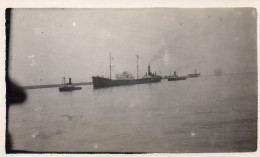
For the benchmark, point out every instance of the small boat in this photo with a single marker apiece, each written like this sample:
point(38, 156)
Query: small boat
point(194, 75)
point(175, 77)
point(68, 86)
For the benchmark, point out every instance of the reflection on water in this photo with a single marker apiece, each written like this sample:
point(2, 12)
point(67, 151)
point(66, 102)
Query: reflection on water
point(206, 114)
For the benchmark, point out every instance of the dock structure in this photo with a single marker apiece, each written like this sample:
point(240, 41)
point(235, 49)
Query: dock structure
point(53, 85)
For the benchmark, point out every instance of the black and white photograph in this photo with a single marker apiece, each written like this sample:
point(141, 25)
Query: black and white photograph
point(131, 80)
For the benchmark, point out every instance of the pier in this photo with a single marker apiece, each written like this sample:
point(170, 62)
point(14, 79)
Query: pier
point(54, 85)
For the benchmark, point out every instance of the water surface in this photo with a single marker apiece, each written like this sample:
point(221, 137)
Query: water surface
point(205, 114)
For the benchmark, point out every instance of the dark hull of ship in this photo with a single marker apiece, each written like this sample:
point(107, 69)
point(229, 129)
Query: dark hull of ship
point(100, 82)
point(176, 78)
point(66, 89)
point(193, 75)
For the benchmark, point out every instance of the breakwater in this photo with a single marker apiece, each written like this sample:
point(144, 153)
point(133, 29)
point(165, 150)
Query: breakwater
point(54, 85)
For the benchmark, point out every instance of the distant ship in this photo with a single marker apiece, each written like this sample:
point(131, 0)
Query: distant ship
point(175, 77)
point(67, 86)
point(102, 82)
point(194, 75)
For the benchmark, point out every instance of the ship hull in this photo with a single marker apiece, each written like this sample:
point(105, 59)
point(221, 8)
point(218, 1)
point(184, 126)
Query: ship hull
point(193, 75)
point(100, 82)
point(176, 78)
point(67, 89)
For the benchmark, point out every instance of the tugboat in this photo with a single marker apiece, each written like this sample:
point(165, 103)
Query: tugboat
point(67, 86)
point(102, 82)
point(175, 77)
point(194, 75)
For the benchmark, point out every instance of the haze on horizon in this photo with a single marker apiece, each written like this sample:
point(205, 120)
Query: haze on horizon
point(46, 43)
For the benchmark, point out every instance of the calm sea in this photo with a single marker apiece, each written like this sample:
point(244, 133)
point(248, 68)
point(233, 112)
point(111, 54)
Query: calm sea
point(205, 114)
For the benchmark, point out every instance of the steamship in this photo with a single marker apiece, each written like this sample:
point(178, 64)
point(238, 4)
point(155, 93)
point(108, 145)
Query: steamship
point(67, 86)
point(102, 82)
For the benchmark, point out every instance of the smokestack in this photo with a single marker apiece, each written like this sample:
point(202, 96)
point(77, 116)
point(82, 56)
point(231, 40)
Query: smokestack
point(149, 70)
point(70, 81)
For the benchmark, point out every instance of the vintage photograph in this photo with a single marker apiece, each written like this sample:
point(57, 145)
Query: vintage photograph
point(131, 80)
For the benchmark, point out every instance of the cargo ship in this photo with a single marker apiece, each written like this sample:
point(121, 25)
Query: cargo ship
point(102, 82)
point(68, 86)
point(194, 75)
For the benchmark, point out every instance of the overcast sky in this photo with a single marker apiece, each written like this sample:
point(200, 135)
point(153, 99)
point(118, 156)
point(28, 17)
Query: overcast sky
point(46, 43)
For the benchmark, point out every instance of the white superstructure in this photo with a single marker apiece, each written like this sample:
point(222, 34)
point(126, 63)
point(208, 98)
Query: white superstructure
point(124, 76)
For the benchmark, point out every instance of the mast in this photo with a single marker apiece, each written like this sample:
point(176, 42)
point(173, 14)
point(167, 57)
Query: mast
point(137, 66)
point(110, 64)
point(64, 80)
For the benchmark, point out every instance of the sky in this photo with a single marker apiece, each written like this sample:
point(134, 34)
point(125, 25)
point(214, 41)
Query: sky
point(45, 44)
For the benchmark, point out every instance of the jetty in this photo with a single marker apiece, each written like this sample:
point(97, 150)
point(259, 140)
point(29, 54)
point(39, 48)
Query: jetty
point(53, 85)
